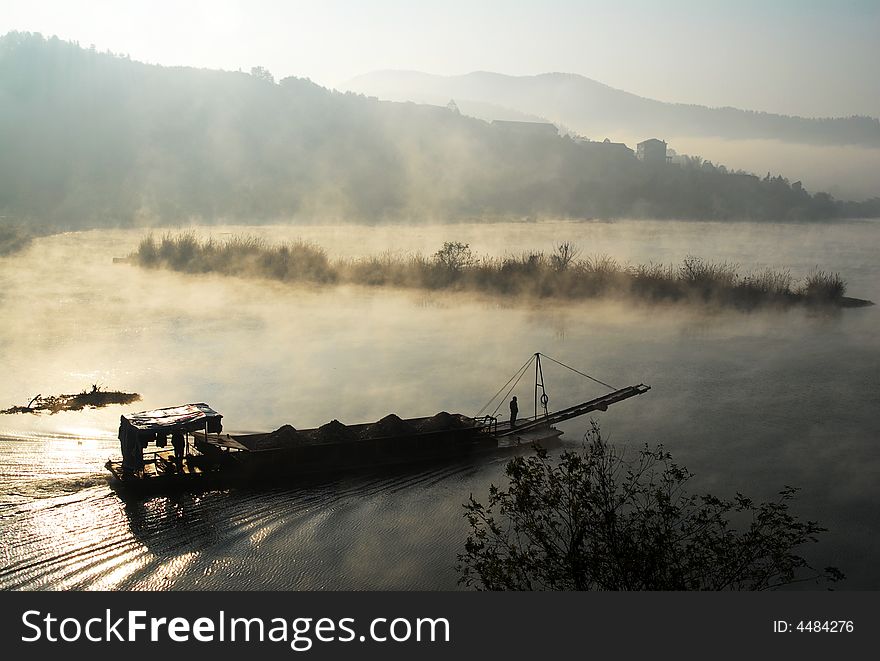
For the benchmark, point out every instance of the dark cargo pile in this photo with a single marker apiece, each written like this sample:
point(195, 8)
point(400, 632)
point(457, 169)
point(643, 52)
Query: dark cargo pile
point(390, 425)
point(286, 435)
point(334, 432)
point(442, 421)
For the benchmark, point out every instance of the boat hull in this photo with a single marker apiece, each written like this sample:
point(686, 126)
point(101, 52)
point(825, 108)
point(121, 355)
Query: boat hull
point(215, 468)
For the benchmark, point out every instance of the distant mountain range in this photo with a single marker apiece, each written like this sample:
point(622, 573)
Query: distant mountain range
point(597, 110)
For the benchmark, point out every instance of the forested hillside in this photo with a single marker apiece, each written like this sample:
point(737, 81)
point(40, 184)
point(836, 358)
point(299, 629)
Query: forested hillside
point(91, 139)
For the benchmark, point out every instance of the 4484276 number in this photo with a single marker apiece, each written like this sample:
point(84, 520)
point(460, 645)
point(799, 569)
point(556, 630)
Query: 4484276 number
point(828, 626)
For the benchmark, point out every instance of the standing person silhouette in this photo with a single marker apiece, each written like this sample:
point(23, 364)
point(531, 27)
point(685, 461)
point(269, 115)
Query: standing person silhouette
point(514, 409)
point(179, 444)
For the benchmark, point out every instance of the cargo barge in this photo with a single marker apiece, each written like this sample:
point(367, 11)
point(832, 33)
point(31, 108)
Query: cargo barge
point(204, 457)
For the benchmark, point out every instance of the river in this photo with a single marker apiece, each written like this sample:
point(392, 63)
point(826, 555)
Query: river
point(749, 402)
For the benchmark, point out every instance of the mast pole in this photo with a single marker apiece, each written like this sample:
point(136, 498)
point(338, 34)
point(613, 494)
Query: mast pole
point(539, 381)
point(537, 372)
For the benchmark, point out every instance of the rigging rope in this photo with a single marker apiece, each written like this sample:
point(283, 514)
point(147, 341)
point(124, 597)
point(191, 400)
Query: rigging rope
point(510, 390)
point(519, 372)
point(610, 387)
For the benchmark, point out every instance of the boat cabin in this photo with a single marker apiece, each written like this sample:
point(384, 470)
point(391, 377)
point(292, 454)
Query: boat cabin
point(138, 430)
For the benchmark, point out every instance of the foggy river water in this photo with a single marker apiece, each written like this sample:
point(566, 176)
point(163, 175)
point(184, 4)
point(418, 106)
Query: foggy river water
point(749, 402)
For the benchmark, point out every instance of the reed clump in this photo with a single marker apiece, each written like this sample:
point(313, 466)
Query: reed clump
point(533, 274)
point(822, 285)
point(238, 255)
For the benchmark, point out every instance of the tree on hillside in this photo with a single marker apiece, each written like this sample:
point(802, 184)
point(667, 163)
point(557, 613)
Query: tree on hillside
point(597, 521)
point(263, 74)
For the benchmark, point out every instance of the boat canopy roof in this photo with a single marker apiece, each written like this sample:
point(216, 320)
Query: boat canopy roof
point(188, 417)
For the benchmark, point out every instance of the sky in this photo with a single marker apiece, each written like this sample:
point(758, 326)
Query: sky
point(802, 57)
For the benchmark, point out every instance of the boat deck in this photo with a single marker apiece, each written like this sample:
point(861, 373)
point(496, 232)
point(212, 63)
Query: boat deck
point(534, 434)
point(158, 464)
point(224, 441)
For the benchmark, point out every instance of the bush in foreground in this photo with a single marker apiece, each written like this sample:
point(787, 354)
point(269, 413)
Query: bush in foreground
point(597, 521)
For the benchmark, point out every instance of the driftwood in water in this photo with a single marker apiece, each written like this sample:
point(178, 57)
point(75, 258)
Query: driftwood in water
point(94, 398)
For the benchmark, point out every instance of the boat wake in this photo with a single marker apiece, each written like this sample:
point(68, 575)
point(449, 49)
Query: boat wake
point(357, 531)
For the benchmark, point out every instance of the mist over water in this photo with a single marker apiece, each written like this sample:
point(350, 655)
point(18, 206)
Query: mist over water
point(749, 402)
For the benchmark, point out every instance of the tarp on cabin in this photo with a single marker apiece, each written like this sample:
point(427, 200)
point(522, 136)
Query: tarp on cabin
point(189, 417)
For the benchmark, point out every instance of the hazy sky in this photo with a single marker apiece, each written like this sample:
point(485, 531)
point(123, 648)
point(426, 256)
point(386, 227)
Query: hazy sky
point(806, 57)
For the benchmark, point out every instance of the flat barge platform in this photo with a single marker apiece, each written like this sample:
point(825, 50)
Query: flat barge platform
point(203, 457)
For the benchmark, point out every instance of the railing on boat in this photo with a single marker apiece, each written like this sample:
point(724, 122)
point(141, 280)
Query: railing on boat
point(488, 424)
